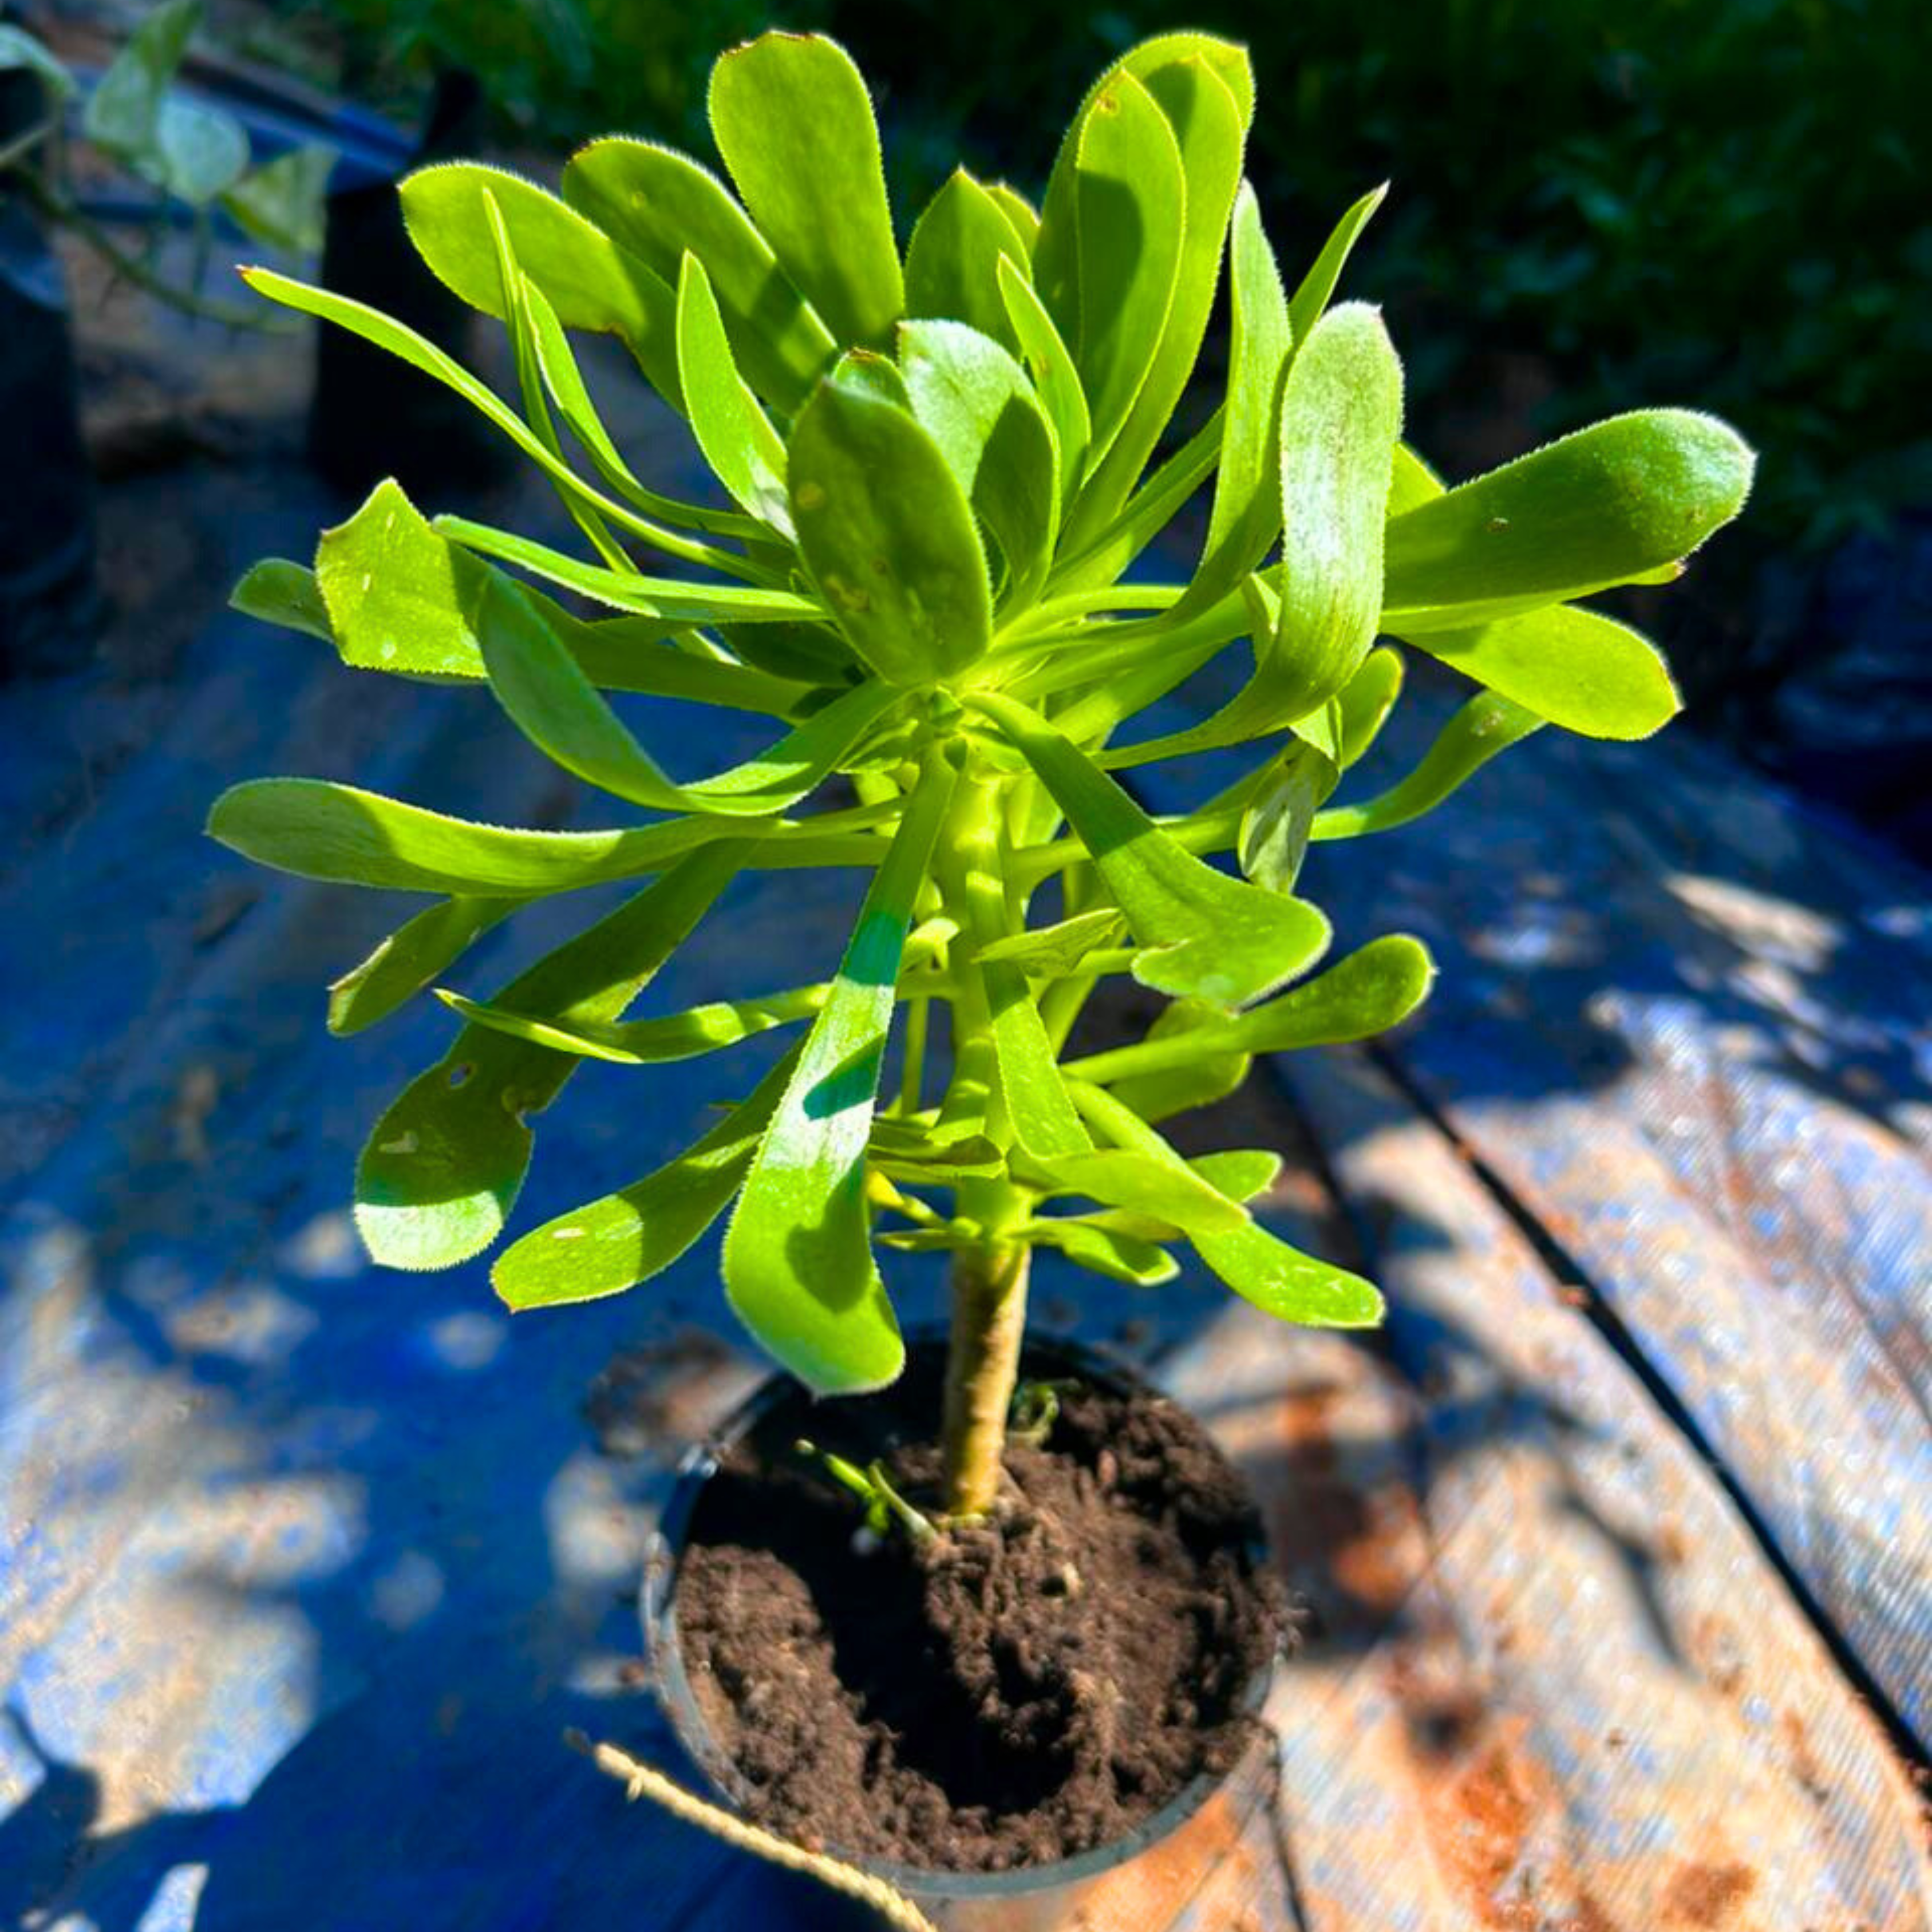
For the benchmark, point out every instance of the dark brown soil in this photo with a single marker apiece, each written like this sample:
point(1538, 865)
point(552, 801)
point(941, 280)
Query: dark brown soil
point(1013, 1693)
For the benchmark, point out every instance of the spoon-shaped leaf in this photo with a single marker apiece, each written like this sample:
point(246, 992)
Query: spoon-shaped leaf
point(651, 1042)
point(587, 279)
point(1606, 505)
point(1200, 86)
point(1275, 827)
point(1111, 237)
point(1488, 724)
point(1197, 1077)
point(1120, 1257)
point(539, 684)
point(1341, 413)
point(1366, 701)
point(608, 1245)
point(280, 592)
point(976, 403)
point(952, 262)
point(659, 204)
point(740, 445)
point(1572, 667)
point(1257, 1264)
point(798, 1262)
point(1219, 938)
point(443, 1165)
point(885, 531)
point(792, 119)
point(409, 959)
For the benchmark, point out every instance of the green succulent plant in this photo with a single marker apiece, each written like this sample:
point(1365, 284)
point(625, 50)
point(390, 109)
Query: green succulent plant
point(942, 467)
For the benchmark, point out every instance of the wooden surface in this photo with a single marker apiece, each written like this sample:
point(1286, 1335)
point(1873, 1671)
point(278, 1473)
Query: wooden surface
point(1615, 1548)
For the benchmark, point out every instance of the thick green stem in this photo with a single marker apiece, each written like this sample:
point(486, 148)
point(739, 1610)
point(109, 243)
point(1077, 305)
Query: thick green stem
point(989, 1294)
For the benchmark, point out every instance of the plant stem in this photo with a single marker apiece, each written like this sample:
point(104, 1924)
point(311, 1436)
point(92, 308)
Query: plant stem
point(989, 1295)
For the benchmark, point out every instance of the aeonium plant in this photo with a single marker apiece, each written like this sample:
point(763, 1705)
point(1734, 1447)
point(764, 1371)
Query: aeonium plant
point(941, 467)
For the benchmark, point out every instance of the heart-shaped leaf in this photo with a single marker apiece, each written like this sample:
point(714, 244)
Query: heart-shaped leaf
point(608, 1245)
point(886, 533)
point(798, 1264)
point(792, 119)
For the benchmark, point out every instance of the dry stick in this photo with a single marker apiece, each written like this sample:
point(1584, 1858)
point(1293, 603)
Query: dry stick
point(639, 1780)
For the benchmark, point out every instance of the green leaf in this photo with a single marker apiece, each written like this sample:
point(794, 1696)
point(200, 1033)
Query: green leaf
point(1111, 238)
point(867, 373)
point(1199, 85)
point(19, 49)
point(1149, 511)
point(664, 598)
point(1257, 1265)
point(1050, 363)
point(1055, 952)
point(281, 202)
point(792, 119)
point(1573, 668)
point(977, 404)
point(608, 1245)
point(123, 113)
point(320, 830)
point(1020, 211)
point(1101, 1251)
point(1366, 701)
point(1412, 483)
point(199, 151)
point(410, 958)
point(1604, 506)
point(1312, 298)
point(1162, 1188)
point(739, 443)
point(652, 1042)
point(1488, 724)
point(1240, 1173)
point(1247, 515)
point(1275, 827)
point(280, 592)
point(1216, 937)
point(546, 693)
point(798, 1264)
point(661, 205)
point(1197, 1077)
point(886, 534)
point(589, 281)
point(953, 263)
point(1341, 412)
point(443, 1166)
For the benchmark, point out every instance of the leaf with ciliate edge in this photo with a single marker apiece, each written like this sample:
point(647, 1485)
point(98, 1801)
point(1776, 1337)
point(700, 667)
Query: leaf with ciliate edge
point(409, 959)
point(443, 1165)
point(976, 402)
point(1216, 937)
point(1054, 952)
point(1120, 1257)
point(1489, 723)
point(798, 1270)
point(651, 1042)
point(1204, 1076)
point(612, 1244)
point(1608, 504)
point(587, 279)
point(1341, 413)
point(1366, 701)
point(546, 694)
point(1049, 362)
point(661, 205)
point(792, 119)
point(952, 262)
point(1275, 827)
point(738, 441)
point(1574, 668)
point(1256, 1264)
point(1310, 299)
point(1127, 206)
point(886, 531)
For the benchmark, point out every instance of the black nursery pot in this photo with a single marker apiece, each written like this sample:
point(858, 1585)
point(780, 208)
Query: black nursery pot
point(745, 1482)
